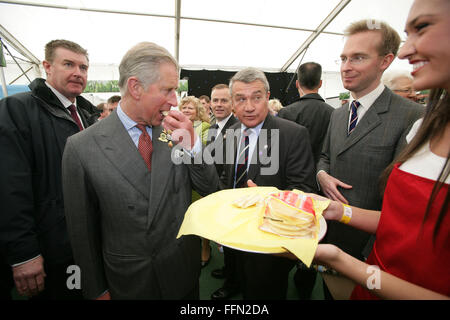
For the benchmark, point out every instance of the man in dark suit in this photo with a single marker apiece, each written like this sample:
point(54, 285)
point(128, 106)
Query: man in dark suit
point(126, 195)
point(278, 153)
point(35, 126)
point(222, 107)
point(365, 135)
point(310, 111)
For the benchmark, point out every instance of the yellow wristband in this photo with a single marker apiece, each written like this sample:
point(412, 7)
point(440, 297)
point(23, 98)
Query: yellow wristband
point(347, 215)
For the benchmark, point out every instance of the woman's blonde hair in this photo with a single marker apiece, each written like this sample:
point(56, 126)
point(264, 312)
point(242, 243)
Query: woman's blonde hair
point(199, 109)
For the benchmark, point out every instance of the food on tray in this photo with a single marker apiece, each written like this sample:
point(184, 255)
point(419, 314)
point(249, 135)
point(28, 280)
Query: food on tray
point(248, 201)
point(290, 214)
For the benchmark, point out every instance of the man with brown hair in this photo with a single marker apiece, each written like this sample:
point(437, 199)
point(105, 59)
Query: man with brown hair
point(365, 135)
point(35, 126)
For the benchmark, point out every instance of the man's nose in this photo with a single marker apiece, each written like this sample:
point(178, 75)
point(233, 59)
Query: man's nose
point(173, 99)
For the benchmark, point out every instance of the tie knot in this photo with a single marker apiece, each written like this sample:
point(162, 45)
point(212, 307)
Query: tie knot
point(247, 132)
point(356, 104)
point(142, 128)
point(216, 126)
point(72, 108)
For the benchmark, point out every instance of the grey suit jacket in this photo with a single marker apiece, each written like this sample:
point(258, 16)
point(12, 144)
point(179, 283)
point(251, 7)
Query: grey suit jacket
point(360, 158)
point(123, 220)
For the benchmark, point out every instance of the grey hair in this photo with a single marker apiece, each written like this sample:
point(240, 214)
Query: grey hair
point(390, 79)
point(249, 75)
point(143, 61)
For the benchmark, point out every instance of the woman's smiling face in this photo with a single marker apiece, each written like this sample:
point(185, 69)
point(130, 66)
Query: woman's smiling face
point(428, 44)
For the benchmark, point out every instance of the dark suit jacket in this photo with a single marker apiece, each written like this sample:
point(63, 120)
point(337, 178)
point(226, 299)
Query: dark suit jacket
point(312, 112)
point(34, 127)
point(291, 165)
point(360, 158)
point(123, 219)
point(219, 142)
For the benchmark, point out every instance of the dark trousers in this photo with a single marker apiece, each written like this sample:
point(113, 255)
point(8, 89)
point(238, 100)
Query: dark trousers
point(194, 294)
point(264, 276)
point(6, 280)
point(305, 279)
point(230, 269)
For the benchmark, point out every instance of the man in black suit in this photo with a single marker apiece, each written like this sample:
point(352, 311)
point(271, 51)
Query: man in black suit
point(278, 154)
point(311, 110)
point(35, 126)
point(221, 107)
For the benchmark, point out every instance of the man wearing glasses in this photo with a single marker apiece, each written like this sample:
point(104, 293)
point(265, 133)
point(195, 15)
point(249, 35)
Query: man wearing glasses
point(366, 134)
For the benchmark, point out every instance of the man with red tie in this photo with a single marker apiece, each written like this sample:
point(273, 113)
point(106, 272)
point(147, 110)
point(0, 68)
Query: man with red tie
point(126, 194)
point(34, 127)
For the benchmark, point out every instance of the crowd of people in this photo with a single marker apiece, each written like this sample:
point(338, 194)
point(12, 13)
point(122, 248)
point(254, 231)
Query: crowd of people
point(98, 187)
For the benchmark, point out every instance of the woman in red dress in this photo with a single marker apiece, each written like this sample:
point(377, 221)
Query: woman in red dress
point(411, 255)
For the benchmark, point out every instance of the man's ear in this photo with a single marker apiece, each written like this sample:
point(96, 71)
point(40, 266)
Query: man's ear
point(134, 87)
point(297, 85)
point(47, 65)
point(387, 60)
point(320, 84)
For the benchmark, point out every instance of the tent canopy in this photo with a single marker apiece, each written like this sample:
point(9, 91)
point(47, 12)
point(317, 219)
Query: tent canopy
point(203, 34)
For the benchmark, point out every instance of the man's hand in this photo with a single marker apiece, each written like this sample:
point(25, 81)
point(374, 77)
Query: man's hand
point(182, 129)
point(329, 185)
point(29, 277)
point(251, 184)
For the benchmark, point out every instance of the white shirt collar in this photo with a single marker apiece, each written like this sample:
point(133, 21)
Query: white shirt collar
point(367, 100)
point(65, 102)
point(222, 122)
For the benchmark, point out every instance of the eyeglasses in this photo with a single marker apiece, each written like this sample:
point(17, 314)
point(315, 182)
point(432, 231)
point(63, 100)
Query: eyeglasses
point(353, 60)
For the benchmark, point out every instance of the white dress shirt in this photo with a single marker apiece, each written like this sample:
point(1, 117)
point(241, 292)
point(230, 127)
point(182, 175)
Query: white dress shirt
point(366, 102)
point(65, 102)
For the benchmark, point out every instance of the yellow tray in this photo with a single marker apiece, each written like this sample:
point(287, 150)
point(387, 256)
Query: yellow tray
point(215, 217)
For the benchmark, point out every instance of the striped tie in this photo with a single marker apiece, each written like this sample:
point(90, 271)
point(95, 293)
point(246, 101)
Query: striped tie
point(241, 169)
point(354, 117)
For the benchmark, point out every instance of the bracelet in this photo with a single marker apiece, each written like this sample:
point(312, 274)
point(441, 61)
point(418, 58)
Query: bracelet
point(347, 215)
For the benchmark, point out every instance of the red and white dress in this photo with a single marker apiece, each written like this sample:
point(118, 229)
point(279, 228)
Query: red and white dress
point(404, 245)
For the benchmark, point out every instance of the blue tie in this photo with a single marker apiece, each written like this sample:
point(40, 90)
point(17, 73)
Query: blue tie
point(354, 117)
point(241, 169)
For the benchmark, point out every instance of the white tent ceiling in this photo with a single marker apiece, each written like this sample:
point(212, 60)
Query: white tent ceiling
point(213, 34)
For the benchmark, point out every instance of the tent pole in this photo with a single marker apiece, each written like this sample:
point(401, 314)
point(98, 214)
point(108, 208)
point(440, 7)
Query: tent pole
point(177, 29)
point(341, 5)
point(2, 76)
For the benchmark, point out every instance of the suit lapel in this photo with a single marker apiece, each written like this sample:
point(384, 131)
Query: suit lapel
point(118, 147)
point(370, 121)
point(162, 169)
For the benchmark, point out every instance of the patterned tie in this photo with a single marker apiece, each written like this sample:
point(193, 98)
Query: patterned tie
point(145, 146)
point(74, 115)
point(216, 132)
point(354, 117)
point(241, 169)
